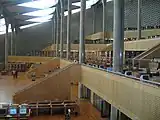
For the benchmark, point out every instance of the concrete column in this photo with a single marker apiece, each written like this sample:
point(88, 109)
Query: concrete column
point(92, 97)
point(139, 19)
point(69, 29)
point(118, 43)
point(114, 113)
point(12, 41)
point(118, 34)
point(119, 115)
point(55, 32)
point(82, 32)
point(79, 90)
point(104, 19)
point(6, 45)
point(57, 40)
point(94, 18)
point(52, 22)
point(61, 33)
point(15, 42)
point(105, 111)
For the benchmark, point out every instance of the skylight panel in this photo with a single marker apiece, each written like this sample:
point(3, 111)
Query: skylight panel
point(76, 10)
point(44, 12)
point(3, 29)
point(30, 25)
point(41, 4)
point(2, 21)
point(77, 4)
point(109, 0)
point(41, 19)
point(89, 3)
point(65, 13)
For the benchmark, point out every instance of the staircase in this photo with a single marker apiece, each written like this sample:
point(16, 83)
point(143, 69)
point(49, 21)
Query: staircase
point(44, 69)
point(55, 86)
point(150, 53)
point(145, 58)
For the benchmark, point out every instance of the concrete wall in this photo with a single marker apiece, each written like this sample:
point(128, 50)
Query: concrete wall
point(37, 37)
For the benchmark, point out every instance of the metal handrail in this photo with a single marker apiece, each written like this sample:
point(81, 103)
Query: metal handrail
point(131, 77)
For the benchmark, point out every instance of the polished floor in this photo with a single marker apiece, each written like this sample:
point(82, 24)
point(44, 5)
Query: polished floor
point(8, 86)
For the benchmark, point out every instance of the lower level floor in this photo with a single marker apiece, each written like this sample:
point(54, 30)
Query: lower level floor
point(87, 112)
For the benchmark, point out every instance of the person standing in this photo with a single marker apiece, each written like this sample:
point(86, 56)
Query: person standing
point(13, 74)
point(33, 76)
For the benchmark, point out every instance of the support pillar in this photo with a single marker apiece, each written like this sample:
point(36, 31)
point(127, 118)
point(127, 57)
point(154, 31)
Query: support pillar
point(79, 90)
point(6, 45)
point(94, 18)
point(15, 42)
point(52, 22)
point(118, 44)
point(57, 40)
point(139, 19)
point(105, 111)
point(92, 97)
point(69, 30)
point(82, 33)
point(104, 19)
point(17, 37)
point(61, 33)
point(114, 113)
point(12, 40)
point(55, 32)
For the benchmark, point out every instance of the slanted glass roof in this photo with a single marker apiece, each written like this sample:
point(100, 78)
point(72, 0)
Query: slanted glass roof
point(41, 12)
point(45, 14)
point(42, 4)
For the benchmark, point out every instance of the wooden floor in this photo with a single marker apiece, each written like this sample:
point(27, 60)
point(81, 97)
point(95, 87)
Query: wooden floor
point(8, 87)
